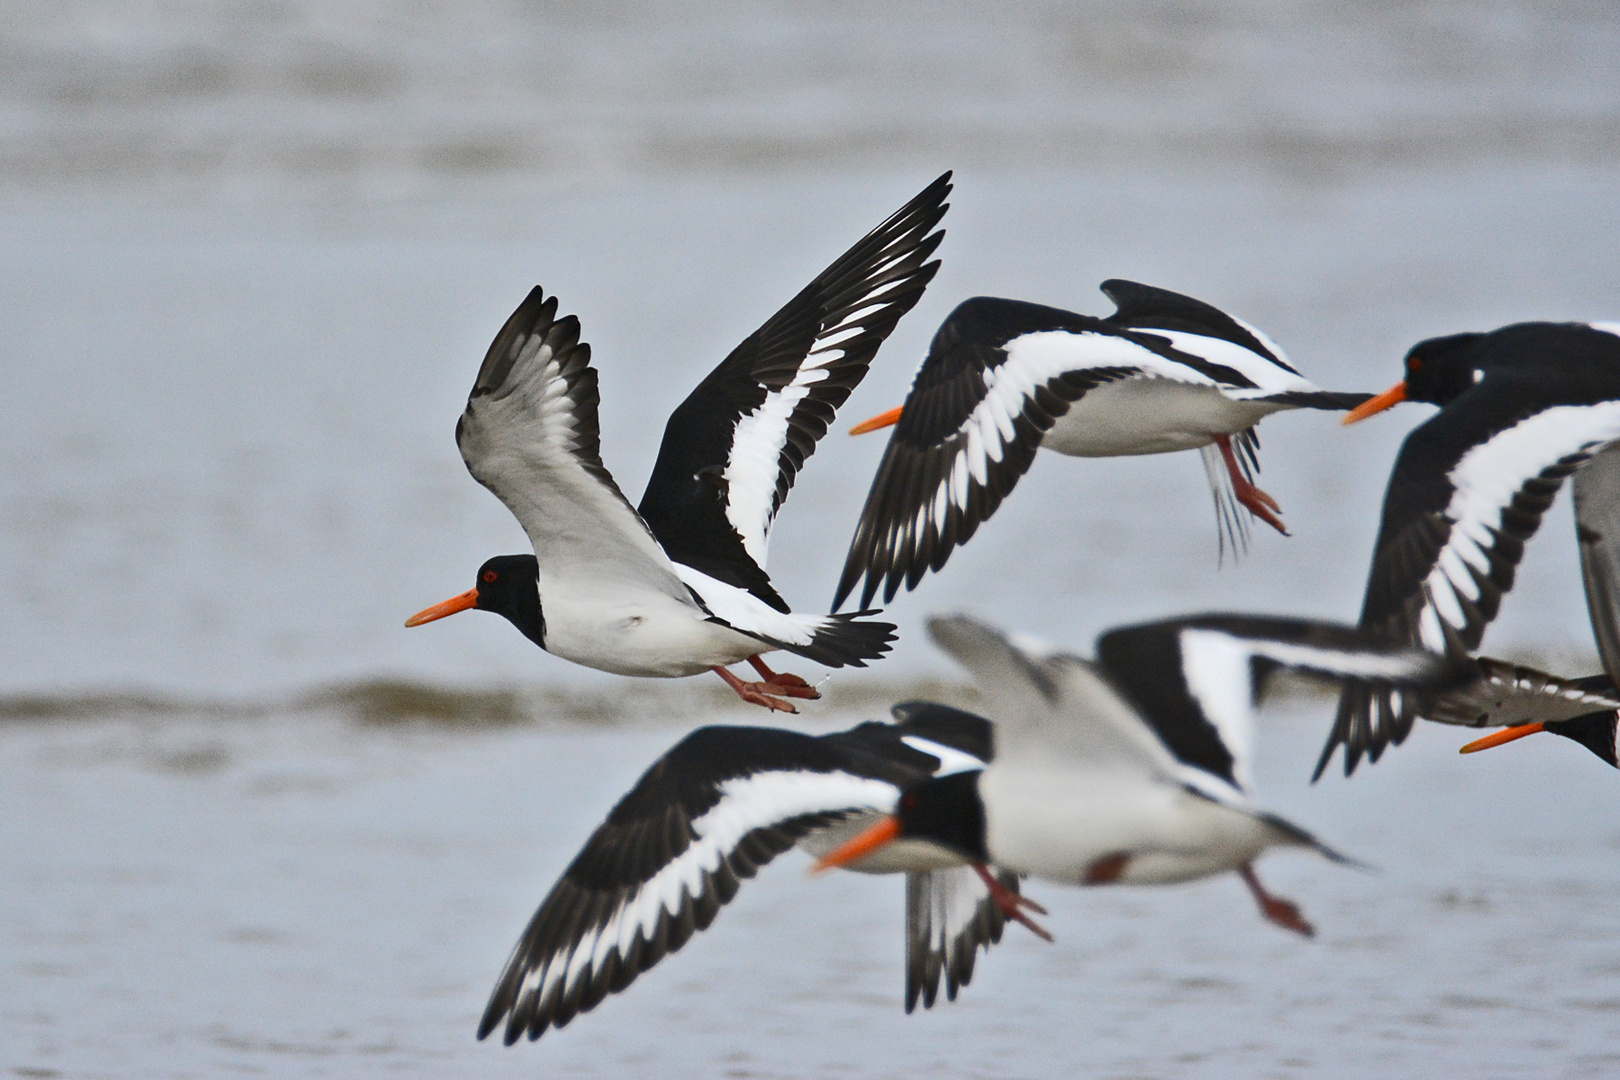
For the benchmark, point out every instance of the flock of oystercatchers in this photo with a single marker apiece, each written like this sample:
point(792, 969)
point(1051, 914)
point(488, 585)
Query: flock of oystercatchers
point(1131, 767)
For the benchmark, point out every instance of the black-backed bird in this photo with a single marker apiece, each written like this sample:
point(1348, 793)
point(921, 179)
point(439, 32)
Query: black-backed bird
point(1002, 378)
point(1523, 701)
point(713, 810)
point(678, 585)
point(1133, 768)
point(1521, 408)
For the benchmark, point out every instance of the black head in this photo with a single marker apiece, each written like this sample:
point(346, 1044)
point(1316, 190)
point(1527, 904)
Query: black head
point(948, 811)
point(1595, 731)
point(510, 585)
point(1440, 369)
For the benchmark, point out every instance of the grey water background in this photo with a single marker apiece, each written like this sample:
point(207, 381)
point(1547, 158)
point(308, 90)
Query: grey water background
point(253, 255)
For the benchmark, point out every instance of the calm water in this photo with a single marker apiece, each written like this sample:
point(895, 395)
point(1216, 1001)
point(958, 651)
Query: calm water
point(253, 255)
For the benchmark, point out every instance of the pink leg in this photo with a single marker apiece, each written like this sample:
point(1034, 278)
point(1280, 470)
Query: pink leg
point(1282, 912)
point(1258, 502)
point(789, 685)
point(1012, 904)
point(755, 693)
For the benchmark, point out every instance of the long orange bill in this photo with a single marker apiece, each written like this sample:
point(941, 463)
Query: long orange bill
point(884, 832)
point(881, 420)
point(1497, 738)
point(1393, 396)
point(449, 607)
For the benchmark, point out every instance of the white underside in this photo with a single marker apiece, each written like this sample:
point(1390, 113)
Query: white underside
point(631, 631)
point(1057, 824)
point(1151, 416)
point(897, 857)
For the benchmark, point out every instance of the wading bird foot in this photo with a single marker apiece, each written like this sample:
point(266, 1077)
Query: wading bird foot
point(1285, 913)
point(784, 683)
point(1254, 500)
point(768, 695)
point(1011, 904)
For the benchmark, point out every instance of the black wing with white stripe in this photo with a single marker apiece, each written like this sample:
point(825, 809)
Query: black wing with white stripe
point(1195, 680)
point(734, 447)
point(950, 915)
point(711, 812)
point(1469, 488)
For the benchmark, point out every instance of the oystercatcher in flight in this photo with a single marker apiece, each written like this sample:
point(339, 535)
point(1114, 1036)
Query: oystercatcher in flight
point(1133, 768)
point(1002, 378)
point(678, 586)
point(720, 805)
point(1523, 701)
point(1521, 408)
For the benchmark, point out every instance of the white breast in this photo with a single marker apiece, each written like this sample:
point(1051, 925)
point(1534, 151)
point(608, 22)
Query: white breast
point(1150, 416)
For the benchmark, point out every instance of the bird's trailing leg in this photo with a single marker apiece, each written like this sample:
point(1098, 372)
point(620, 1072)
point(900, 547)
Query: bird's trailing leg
point(790, 685)
point(1012, 904)
point(769, 695)
point(1257, 502)
point(1285, 913)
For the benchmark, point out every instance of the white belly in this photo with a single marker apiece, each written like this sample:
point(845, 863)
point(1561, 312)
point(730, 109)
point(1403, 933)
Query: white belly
point(894, 858)
point(636, 632)
point(1150, 416)
point(1057, 825)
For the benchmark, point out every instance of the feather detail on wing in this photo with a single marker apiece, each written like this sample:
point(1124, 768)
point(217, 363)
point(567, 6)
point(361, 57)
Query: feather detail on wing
point(1454, 528)
point(734, 447)
point(529, 434)
point(706, 816)
point(950, 916)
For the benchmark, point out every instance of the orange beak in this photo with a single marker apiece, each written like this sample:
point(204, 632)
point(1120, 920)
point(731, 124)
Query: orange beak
point(1393, 396)
point(881, 420)
point(884, 832)
point(466, 600)
point(1497, 738)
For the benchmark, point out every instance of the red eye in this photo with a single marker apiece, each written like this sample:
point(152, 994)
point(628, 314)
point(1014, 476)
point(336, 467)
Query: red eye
point(489, 575)
point(1414, 364)
point(908, 802)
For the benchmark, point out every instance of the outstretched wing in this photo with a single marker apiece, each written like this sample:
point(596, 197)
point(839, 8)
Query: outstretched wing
point(529, 434)
point(711, 812)
point(1047, 704)
point(733, 448)
point(1456, 517)
point(1195, 680)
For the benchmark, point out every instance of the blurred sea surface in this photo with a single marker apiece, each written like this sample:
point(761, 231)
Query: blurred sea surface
point(253, 254)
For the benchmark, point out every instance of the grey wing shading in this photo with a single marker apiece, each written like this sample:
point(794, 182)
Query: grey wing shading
point(949, 918)
point(1505, 694)
point(1597, 527)
point(530, 435)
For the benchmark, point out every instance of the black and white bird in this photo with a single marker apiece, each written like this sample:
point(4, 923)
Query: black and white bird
point(1521, 408)
point(678, 586)
point(1003, 378)
point(1523, 701)
point(1133, 768)
point(720, 805)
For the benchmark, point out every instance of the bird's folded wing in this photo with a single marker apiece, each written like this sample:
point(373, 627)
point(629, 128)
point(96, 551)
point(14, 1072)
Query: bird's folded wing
point(530, 435)
point(1505, 694)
